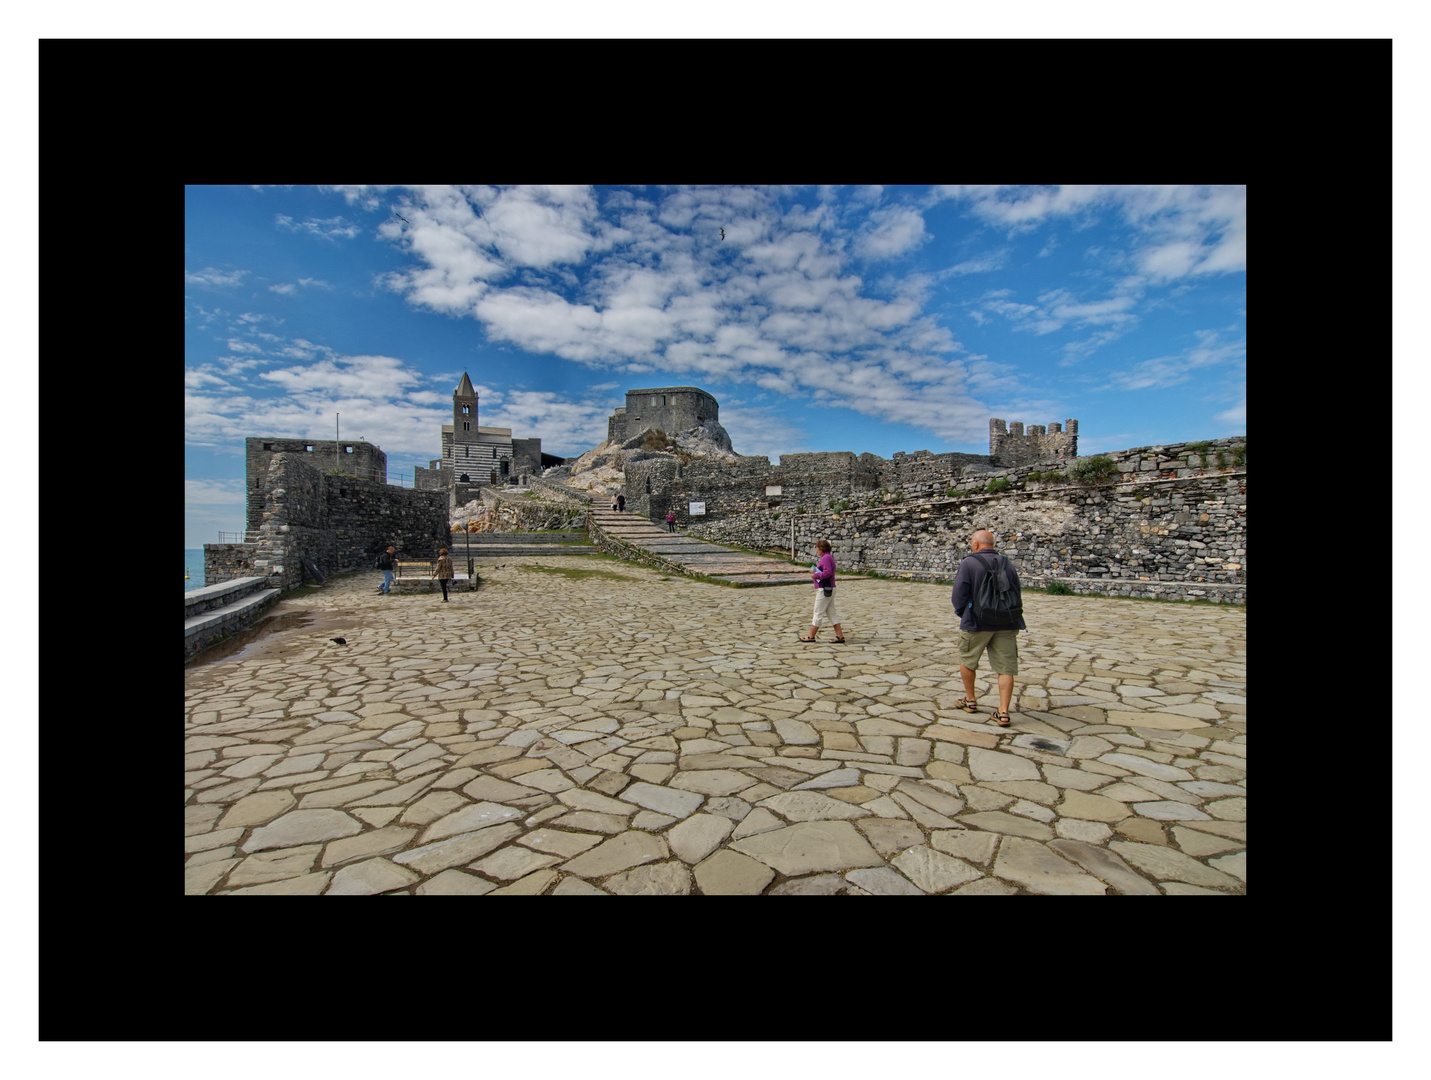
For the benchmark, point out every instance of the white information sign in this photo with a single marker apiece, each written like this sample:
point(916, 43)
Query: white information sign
point(773, 489)
point(698, 509)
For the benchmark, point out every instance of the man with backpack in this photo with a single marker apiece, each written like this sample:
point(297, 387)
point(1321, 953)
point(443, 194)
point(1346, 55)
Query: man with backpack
point(988, 598)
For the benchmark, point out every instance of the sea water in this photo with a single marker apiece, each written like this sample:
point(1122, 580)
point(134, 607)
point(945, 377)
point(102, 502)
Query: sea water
point(194, 567)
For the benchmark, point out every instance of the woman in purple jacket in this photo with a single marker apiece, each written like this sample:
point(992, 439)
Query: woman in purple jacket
point(824, 574)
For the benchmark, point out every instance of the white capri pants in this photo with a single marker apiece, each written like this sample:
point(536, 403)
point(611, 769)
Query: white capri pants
point(824, 609)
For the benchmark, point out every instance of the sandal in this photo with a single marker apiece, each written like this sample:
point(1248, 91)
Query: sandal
point(839, 641)
point(802, 637)
point(1001, 718)
point(967, 704)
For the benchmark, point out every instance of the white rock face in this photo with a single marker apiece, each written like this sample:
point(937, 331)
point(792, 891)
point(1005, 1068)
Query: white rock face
point(602, 471)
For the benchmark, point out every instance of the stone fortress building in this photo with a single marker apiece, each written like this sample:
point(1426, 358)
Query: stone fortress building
point(475, 456)
point(668, 408)
point(358, 459)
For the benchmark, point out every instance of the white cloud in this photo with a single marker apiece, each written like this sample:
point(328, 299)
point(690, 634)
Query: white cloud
point(1235, 417)
point(213, 493)
point(890, 232)
point(1180, 230)
point(215, 278)
point(1164, 371)
point(325, 228)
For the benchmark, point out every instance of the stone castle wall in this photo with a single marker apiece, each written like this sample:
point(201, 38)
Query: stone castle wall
point(1165, 525)
point(355, 458)
point(340, 523)
point(1010, 445)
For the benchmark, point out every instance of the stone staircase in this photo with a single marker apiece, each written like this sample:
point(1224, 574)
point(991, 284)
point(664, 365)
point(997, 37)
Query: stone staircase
point(219, 611)
point(504, 545)
point(630, 536)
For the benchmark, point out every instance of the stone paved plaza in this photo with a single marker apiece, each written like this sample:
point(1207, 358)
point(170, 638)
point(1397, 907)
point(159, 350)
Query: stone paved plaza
point(584, 726)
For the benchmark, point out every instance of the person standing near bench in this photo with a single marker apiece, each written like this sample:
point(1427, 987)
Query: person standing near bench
point(1000, 636)
point(385, 564)
point(443, 571)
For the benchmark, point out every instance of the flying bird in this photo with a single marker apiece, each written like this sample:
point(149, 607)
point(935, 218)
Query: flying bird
point(722, 234)
point(339, 640)
point(404, 220)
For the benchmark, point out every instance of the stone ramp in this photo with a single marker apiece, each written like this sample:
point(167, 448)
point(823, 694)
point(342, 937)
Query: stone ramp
point(506, 545)
point(631, 536)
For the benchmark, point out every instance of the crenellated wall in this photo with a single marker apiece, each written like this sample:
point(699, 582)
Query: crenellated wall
point(1010, 445)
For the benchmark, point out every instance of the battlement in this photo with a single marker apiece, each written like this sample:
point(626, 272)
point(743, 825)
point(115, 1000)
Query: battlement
point(1010, 445)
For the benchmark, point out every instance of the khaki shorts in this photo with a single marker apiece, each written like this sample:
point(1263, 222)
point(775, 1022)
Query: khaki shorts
point(824, 610)
point(1003, 646)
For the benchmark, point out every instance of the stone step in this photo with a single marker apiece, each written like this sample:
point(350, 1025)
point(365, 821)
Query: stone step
point(492, 551)
point(207, 627)
point(461, 540)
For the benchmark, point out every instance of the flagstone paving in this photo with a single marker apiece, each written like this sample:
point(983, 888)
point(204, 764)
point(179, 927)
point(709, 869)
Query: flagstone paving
point(564, 732)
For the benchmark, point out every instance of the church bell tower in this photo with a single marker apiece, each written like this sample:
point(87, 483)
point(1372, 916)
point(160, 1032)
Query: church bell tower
point(464, 412)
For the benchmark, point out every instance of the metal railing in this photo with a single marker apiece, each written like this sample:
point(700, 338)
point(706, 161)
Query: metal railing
point(238, 537)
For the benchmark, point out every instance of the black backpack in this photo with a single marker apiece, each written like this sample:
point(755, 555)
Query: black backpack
point(998, 602)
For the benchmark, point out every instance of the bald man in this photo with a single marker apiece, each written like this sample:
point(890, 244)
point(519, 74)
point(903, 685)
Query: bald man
point(1002, 644)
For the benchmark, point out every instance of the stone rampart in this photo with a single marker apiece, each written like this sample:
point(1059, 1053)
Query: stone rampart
point(1162, 524)
point(340, 523)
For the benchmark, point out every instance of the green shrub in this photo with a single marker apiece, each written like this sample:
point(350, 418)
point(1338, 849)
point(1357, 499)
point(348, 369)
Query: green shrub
point(1239, 456)
point(996, 486)
point(1094, 470)
point(1057, 588)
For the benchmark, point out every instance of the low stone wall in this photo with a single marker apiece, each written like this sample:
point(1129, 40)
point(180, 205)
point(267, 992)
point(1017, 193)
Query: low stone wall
point(225, 562)
point(552, 489)
point(1168, 527)
point(522, 512)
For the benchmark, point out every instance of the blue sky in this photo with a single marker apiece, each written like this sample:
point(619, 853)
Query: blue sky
point(870, 319)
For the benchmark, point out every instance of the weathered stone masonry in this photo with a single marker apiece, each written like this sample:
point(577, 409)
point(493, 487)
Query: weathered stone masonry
point(340, 523)
point(1167, 525)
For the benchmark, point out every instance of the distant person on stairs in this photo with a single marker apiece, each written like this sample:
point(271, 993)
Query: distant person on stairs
point(670, 521)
